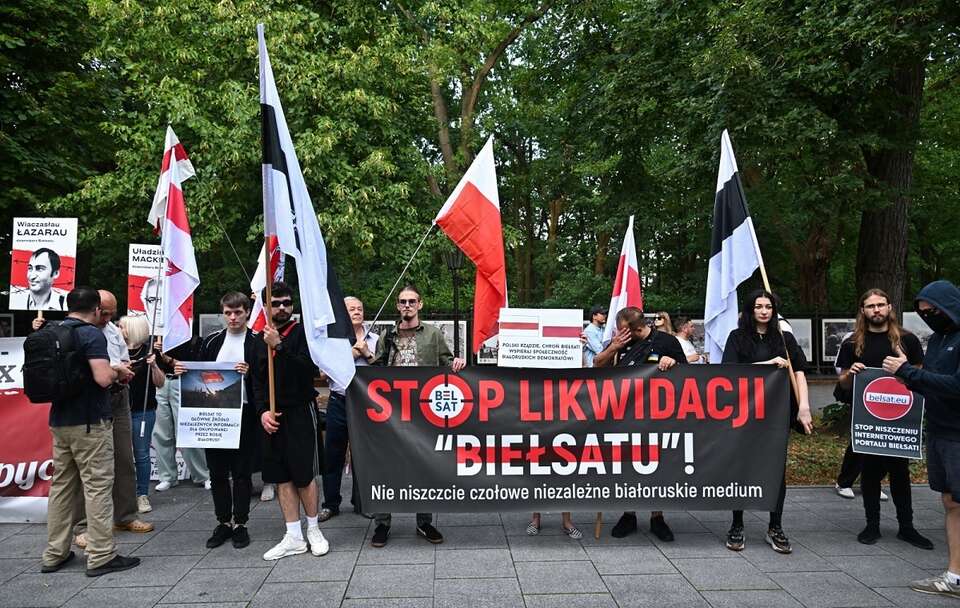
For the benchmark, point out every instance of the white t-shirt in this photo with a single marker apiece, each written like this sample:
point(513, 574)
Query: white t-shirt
point(232, 352)
point(688, 347)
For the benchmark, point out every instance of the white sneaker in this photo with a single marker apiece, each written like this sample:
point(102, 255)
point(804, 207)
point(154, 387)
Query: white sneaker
point(288, 546)
point(163, 486)
point(883, 496)
point(207, 485)
point(268, 493)
point(143, 504)
point(845, 492)
point(318, 544)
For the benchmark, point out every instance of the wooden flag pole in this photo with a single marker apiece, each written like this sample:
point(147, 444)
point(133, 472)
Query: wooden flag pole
point(268, 313)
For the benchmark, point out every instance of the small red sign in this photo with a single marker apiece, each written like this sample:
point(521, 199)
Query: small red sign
point(887, 398)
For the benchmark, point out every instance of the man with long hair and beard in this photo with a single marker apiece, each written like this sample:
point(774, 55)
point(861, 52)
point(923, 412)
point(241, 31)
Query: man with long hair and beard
point(876, 336)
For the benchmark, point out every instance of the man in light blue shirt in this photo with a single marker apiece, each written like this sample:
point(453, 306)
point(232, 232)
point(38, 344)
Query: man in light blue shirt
point(594, 333)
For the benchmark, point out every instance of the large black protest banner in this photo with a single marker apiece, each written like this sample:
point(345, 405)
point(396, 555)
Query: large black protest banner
point(887, 416)
point(495, 439)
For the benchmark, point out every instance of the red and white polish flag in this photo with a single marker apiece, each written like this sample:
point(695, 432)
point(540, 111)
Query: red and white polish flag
point(172, 149)
point(182, 276)
point(258, 317)
point(471, 219)
point(627, 290)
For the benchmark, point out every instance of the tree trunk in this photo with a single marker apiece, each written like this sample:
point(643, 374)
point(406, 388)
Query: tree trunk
point(600, 259)
point(552, 228)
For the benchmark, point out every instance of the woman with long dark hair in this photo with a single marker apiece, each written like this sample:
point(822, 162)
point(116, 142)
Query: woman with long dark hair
point(759, 340)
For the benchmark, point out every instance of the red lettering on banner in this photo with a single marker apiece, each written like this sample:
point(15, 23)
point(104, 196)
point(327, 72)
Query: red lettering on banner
point(548, 399)
point(491, 396)
point(661, 409)
point(714, 409)
point(526, 415)
point(690, 401)
point(743, 402)
point(759, 411)
point(609, 398)
point(638, 399)
point(565, 455)
point(383, 409)
point(406, 388)
point(568, 400)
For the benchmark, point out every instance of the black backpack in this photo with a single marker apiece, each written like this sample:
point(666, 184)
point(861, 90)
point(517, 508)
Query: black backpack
point(53, 368)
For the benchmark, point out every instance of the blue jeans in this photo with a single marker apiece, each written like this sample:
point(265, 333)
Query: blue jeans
point(141, 447)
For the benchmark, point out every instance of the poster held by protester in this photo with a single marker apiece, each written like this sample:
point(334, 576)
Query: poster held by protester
point(43, 262)
point(211, 405)
point(704, 437)
point(143, 294)
point(540, 338)
point(26, 447)
point(887, 416)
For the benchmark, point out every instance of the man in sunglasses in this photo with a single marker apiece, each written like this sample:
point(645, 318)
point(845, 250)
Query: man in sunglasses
point(290, 457)
point(412, 344)
point(938, 304)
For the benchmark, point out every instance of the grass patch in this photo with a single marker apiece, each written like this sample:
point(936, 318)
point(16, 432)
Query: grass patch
point(815, 459)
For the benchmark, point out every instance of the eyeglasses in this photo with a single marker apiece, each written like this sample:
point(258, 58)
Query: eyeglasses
point(412, 302)
point(285, 303)
point(875, 306)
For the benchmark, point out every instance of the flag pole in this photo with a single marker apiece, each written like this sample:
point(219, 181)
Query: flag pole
point(268, 317)
point(400, 278)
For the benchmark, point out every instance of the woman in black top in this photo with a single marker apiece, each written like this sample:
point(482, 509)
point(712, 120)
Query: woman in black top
point(759, 340)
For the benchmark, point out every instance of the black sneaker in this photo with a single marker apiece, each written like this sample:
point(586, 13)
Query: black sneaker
point(380, 535)
point(916, 539)
point(870, 535)
point(625, 526)
point(221, 534)
point(735, 538)
point(778, 540)
point(118, 564)
point(48, 569)
point(430, 533)
point(240, 538)
point(660, 529)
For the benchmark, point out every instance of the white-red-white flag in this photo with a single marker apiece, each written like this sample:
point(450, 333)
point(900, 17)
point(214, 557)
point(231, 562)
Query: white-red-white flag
point(172, 149)
point(182, 277)
point(471, 219)
point(627, 290)
point(258, 318)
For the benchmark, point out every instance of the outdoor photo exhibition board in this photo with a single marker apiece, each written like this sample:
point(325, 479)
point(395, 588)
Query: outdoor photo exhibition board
point(143, 289)
point(540, 338)
point(887, 416)
point(43, 262)
point(211, 406)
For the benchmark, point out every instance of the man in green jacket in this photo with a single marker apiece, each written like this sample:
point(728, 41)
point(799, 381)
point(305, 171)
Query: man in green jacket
point(412, 344)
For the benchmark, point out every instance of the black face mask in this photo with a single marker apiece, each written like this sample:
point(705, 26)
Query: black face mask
point(936, 320)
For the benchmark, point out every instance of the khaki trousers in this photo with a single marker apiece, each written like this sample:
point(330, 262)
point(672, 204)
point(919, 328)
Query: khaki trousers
point(82, 467)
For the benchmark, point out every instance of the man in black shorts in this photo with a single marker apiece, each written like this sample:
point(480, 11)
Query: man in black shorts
point(290, 449)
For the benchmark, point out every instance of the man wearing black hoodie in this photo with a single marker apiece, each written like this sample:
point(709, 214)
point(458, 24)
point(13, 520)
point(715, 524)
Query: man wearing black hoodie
point(938, 304)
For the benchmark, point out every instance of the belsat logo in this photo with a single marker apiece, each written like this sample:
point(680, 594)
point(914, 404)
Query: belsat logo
point(446, 401)
point(887, 399)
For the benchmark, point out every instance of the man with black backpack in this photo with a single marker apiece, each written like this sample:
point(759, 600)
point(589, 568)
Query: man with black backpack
point(75, 380)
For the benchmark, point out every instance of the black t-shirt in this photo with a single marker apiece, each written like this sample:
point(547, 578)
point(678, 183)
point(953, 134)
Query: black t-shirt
point(651, 349)
point(876, 347)
point(93, 404)
point(138, 384)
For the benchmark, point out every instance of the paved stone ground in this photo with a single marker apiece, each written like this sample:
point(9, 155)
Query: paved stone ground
point(487, 560)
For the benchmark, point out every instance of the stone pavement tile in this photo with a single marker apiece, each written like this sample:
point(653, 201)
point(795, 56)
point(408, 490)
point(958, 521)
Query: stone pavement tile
point(661, 590)
point(723, 574)
point(299, 594)
point(42, 589)
point(209, 605)
point(927, 518)
point(879, 570)
point(265, 510)
point(391, 581)
point(227, 556)
point(472, 537)
point(832, 543)
point(223, 585)
point(117, 597)
point(174, 543)
point(629, 560)
point(343, 539)
point(802, 559)
point(751, 599)
point(23, 546)
point(7, 530)
point(850, 525)
point(475, 563)
point(559, 577)
point(193, 521)
point(571, 600)
point(168, 510)
point(921, 558)
point(468, 519)
point(477, 593)
point(515, 524)
point(403, 550)
point(334, 566)
point(545, 548)
point(152, 572)
point(605, 540)
point(908, 598)
point(680, 522)
point(397, 602)
point(805, 520)
point(828, 590)
point(10, 567)
point(346, 519)
point(693, 545)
